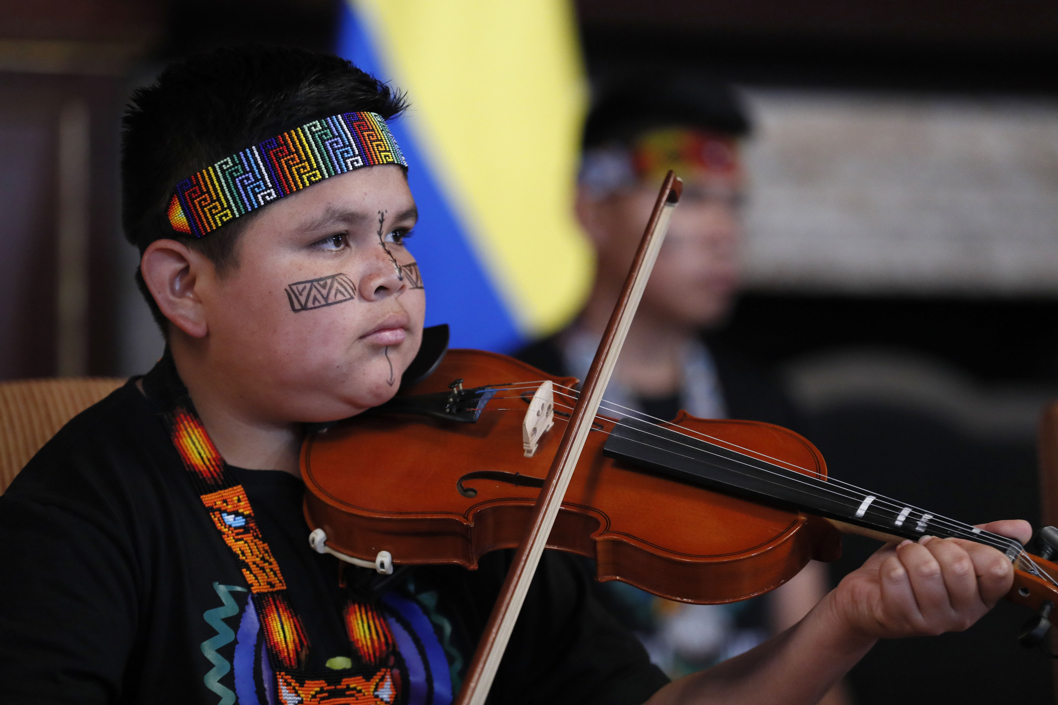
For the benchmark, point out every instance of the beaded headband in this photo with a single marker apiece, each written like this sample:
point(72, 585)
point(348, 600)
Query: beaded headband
point(278, 167)
point(693, 154)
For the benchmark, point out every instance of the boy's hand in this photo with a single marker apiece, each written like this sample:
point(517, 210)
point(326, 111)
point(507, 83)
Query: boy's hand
point(934, 586)
point(926, 588)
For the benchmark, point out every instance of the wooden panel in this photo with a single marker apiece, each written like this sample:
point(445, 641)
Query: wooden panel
point(35, 209)
point(95, 20)
point(28, 200)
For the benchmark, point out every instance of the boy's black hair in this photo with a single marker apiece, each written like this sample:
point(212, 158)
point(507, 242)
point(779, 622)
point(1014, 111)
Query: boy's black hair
point(638, 103)
point(213, 105)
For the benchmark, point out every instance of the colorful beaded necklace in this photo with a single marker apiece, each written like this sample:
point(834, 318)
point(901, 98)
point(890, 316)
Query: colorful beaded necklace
point(375, 676)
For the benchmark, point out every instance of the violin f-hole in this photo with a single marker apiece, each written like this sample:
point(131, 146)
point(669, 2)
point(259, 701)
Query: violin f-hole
point(516, 479)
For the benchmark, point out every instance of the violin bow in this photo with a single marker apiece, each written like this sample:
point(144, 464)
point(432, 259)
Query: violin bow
point(505, 612)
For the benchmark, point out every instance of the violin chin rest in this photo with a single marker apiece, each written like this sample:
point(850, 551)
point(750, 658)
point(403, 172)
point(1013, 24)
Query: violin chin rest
point(431, 352)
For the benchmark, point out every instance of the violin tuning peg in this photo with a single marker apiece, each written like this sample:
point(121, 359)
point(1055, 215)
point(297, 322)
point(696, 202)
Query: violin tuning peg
point(1035, 630)
point(1047, 542)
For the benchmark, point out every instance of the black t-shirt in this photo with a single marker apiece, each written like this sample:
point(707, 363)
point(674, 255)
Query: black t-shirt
point(115, 587)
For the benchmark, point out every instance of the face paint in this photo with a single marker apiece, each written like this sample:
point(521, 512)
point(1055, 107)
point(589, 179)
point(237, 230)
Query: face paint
point(382, 241)
point(317, 293)
point(392, 377)
point(411, 271)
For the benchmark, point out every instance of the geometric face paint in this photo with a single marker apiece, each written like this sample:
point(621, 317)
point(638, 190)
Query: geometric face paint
point(411, 273)
point(317, 293)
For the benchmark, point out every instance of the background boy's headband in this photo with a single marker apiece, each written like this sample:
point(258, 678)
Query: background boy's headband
point(278, 167)
point(695, 155)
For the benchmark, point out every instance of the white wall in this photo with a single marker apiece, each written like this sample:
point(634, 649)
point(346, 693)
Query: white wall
point(884, 193)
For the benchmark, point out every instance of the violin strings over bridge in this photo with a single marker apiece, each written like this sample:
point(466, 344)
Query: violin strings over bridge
point(539, 418)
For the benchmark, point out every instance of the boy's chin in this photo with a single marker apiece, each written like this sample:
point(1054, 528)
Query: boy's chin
point(381, 394)
point(377, 394)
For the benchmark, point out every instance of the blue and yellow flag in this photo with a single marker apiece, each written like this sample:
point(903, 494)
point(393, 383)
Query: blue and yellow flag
point(497, 96)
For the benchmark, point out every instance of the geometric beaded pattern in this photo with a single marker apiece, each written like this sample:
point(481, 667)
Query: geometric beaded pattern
point(284, 634)
point(231, 514)
point(278, 167)
point(369, 633)
point(196, 449)
point(376, 689)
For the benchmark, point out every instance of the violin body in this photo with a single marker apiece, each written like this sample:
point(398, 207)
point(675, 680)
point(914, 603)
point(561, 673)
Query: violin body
point(399, 482)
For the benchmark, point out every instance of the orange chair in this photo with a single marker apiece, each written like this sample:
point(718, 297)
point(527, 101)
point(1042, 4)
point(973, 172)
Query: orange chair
point(33, 410)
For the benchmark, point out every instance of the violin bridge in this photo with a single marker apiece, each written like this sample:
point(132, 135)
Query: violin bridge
point(539, 418)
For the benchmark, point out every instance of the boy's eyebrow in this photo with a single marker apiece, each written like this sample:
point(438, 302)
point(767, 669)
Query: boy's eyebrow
point(406, 215)
point(333, 215)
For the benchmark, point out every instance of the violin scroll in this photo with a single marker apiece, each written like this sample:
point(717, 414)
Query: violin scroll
point(1036, 577)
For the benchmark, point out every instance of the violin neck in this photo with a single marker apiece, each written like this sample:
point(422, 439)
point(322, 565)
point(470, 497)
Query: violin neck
point(852, 510)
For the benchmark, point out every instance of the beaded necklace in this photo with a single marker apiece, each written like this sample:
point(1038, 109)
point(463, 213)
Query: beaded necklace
point(376, 675)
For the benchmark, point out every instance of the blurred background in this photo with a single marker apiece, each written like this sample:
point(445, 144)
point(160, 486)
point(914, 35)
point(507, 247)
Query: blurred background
point(900, 264)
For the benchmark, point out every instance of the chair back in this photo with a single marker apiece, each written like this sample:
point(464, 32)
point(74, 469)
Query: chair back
point(33, 410)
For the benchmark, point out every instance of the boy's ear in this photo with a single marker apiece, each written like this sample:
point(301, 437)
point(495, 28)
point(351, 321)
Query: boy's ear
point(171, 271)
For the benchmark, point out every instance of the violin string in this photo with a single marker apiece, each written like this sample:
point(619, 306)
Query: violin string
point(573, 394)
point(835, 489)
point(797, 477)
point(831, 487)
point(831, 483)
point(985, 538)
point(818, 486)
point(958, 529)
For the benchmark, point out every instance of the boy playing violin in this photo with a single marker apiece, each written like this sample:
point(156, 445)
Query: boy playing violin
point(155, 549)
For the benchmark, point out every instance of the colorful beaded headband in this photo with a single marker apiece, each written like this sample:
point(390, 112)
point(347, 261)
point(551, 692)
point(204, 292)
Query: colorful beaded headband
point(278, 167)
point(692, 154)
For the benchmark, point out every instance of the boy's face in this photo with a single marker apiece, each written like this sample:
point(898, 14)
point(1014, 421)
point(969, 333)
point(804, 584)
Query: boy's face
point(325, 310)
point(696, 274)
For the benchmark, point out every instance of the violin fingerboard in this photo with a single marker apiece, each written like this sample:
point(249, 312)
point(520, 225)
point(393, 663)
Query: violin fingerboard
point(689, 459)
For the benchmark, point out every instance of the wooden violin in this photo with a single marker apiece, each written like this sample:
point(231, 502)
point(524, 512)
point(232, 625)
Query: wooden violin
point(696, 510)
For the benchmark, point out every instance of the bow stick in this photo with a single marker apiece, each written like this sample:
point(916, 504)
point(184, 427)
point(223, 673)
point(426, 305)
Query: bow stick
point(501, 622)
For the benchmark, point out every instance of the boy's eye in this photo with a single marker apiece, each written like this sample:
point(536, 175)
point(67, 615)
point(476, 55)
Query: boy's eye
point(333, 243)
point(398, 236)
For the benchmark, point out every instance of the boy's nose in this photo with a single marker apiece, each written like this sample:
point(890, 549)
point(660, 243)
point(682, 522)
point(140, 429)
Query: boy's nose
point(383, 276)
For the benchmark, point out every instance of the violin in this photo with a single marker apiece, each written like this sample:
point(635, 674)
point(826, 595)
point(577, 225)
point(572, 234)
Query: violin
point(466, 486)
point(465, 461)
point(694, 510)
